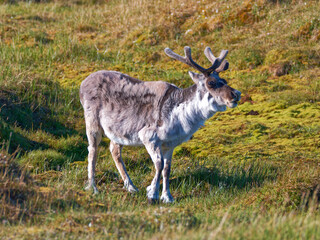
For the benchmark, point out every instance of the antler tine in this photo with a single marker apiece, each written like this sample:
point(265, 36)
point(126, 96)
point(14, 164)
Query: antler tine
point(222, 64)
point(223, 54)
point(189, 61)
point(172, 54)
point(209, 55)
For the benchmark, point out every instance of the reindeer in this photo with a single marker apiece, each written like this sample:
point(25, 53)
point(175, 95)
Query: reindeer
point(158, 115)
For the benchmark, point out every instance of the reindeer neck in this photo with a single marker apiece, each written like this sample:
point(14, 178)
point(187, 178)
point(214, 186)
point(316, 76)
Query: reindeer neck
point(191, 110)
point(197, 102)
point(187, 94)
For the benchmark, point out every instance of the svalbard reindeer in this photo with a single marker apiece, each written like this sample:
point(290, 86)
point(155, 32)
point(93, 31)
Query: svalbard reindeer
point(158, 115)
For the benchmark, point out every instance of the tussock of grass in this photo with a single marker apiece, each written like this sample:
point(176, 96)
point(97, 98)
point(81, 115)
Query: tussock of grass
point(23, 199)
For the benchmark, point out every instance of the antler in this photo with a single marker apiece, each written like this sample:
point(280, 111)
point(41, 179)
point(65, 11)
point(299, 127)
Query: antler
point(218, 64)
point(223, 64)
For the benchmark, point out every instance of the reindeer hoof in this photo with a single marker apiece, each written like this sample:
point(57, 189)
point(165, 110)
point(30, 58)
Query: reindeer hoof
point(152, 194)
point(167, 199)
point(90, 187)
point(131, 189)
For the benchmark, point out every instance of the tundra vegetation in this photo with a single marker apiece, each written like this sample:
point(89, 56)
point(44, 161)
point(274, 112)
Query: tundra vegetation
point(251, 173)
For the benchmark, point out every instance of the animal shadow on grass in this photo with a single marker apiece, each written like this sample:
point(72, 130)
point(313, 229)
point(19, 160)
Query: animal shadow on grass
point(237, 177)
point(13, 140)
point(32, 116)
point(20, 197)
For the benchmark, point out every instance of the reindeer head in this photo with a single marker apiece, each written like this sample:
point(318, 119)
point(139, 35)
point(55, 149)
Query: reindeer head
point(209, 81)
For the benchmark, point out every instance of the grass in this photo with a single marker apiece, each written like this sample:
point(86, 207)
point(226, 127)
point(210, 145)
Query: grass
point(251, 172)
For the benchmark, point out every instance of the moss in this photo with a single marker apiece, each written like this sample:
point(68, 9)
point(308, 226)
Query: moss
point(281, 62)
point(72, 75)
point(246, 58)
point(274, 56)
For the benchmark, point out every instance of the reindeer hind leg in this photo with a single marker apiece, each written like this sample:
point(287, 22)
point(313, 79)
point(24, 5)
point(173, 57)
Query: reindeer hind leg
point(94, 134)
point(115, 150)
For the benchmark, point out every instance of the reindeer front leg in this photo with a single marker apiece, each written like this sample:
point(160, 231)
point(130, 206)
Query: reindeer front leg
point(151, 141)
point(155, 152)
point(166, 195)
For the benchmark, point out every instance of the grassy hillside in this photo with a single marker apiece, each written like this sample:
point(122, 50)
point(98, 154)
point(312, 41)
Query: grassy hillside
point(251, 173)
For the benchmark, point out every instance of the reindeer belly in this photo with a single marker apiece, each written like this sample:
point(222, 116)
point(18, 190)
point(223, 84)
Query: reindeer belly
point(121, 129)
point(127, 140)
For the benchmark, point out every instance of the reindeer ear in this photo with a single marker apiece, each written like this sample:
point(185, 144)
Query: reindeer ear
point(197, 78)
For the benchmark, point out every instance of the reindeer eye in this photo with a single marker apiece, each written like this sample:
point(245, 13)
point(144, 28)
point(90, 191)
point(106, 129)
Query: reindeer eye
point(215, 84)
point(212, 84)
